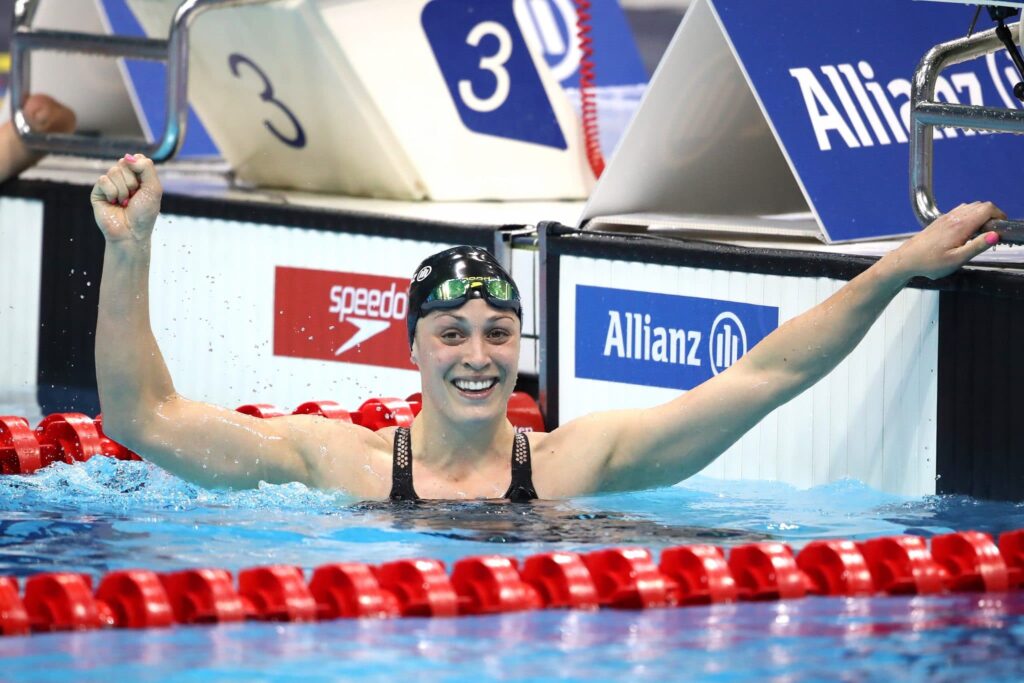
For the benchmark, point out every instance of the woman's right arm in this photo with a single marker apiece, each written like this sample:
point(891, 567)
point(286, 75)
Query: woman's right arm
point(203, 443)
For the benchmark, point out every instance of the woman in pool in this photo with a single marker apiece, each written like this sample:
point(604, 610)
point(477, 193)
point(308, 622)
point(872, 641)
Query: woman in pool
point(464, 327)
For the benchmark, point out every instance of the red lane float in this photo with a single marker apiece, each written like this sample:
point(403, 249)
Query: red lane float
point(903, 565)
point(136, 599)
point(261, 410)
point(61, 437)
point(415, 402)
point(699, 575)
point(492, 584)
point(378, 413)
point(767, 571)
point(19, 447)
point(64, 602)
point(972, 562)
point(73, 437)
point(13, 616)
point(627, 578)
point(351, 590)
point(1011, 547)
point(621, 578)
point(277, 593)
point(524, 414)
point(421, 586)
point(835, 568)
point(328, 409)
point(203, 596)
point(561, 580)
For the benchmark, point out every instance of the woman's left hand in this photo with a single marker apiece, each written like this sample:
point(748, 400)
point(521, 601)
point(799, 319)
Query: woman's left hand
point(948, 242)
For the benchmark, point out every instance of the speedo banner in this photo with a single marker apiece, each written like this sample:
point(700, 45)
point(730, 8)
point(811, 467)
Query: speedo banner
point(347, 317)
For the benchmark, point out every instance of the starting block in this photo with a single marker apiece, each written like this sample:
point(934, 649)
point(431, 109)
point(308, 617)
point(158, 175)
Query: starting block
point(753, 124)
point(412, 99)
point(927, 112)
point(453, 104)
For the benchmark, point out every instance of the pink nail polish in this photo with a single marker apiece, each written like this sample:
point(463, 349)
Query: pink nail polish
point(991, 238)
point(124, 202)
point(130, 158)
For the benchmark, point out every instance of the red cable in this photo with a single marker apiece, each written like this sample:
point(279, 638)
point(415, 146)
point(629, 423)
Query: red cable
point(588, 79)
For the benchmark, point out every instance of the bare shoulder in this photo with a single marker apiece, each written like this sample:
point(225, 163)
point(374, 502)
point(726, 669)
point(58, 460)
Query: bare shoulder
point(344, 456)
point(572, 460)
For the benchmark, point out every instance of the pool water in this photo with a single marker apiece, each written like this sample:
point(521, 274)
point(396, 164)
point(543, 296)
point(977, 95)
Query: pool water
point(106, 514)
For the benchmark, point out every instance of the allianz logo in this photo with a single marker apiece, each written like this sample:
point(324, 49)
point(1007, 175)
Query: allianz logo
point(550, 25)
point(846, 105)
point(636, 336)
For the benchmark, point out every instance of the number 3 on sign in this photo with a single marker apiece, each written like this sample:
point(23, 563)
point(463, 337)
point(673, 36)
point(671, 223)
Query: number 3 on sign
point(491, 77)
point(494, 63)
point(298, 138)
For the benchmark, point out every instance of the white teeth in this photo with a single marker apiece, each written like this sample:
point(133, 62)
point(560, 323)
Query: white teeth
point(475, 385)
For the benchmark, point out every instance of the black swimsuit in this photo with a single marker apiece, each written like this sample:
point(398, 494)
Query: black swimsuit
point(520, 490)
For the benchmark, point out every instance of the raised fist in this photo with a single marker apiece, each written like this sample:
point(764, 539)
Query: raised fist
point(126, 201)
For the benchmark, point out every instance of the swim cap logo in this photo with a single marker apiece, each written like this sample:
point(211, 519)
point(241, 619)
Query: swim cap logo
point(348, 317)
point(424, 272)
point(728, 341)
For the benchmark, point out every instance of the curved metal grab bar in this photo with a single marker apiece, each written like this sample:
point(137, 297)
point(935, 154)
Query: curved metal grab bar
point(926, 114)
point(174, 51)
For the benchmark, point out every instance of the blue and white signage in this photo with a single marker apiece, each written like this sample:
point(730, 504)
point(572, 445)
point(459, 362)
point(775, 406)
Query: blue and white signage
point(663, 340)
point(834, 81)
point(554, 25)
point(489, 71)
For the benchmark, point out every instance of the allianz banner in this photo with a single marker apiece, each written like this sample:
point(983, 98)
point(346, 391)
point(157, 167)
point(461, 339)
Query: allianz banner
point(662, 340)
point(833, 79)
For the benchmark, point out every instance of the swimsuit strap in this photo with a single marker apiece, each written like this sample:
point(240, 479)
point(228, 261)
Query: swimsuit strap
point(401, 467)
point(521, 489)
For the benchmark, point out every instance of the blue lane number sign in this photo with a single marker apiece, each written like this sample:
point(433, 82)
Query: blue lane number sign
point(489, 72)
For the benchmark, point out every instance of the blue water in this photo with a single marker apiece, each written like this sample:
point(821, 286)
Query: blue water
point(105, 515)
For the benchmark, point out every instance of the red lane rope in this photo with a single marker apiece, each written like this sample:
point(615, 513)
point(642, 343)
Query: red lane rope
point(74, 437)
point(621, 578)
point(588, 79)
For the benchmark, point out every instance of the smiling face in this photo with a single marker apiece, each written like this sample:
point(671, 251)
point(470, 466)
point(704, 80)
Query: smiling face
point(468, 359)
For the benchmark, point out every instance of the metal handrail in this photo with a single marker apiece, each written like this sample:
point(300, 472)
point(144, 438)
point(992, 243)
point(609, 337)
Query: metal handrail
point(174, 51)
point(926, 114)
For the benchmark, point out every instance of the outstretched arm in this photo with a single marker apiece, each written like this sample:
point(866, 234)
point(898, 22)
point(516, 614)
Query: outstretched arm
point(668, 443)
point(141, 409)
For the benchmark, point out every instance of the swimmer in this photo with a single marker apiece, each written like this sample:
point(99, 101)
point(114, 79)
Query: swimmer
point(464, 334)
point(45, 115)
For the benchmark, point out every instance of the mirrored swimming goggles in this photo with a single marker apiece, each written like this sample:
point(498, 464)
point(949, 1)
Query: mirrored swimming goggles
point(455, 292)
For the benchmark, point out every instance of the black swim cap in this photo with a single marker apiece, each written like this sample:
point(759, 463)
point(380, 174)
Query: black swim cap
point(455, 264)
